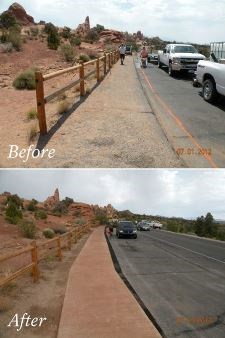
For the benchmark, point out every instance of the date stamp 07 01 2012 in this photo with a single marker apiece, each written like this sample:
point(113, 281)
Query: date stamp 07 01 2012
point(193, 151)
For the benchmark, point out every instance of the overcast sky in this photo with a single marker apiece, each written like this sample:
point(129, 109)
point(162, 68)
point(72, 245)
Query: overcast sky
point(181, 193)
point(182, 20)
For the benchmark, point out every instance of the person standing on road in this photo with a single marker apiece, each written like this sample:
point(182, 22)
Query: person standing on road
point(122, 50)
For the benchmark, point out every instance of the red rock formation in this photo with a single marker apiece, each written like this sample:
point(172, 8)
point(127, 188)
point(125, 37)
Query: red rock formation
point(83, 28)
point(52, 201)
point(111, 35)
point(20, 14)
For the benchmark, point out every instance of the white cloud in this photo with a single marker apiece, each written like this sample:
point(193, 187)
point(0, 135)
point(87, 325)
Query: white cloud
point(181, 20)
point(181, 193)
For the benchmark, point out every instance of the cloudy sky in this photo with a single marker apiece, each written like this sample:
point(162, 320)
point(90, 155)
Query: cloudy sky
point(182, 20)
point(181, 193)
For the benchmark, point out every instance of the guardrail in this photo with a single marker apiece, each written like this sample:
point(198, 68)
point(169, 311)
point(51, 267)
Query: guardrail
point(41, 251)
point(105, 63)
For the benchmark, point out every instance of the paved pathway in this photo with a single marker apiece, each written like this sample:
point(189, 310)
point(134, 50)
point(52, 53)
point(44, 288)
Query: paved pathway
point(97, 303)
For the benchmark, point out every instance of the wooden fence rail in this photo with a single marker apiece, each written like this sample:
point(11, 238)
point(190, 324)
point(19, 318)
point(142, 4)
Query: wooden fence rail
point(55, 244)
point(104, 63)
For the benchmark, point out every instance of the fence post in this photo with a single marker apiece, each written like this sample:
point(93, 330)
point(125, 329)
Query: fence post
point(82, 88)
point(105, 65)
point(59, 251)
point(40, 102)
point(109, 61)
point(97, 70)
point(34, 258)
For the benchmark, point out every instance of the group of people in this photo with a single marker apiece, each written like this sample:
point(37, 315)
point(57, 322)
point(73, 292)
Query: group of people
point(122, 50)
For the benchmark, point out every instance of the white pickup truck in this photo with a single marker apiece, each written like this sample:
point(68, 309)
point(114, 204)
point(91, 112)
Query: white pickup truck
point(211, 75)
point(179, 57)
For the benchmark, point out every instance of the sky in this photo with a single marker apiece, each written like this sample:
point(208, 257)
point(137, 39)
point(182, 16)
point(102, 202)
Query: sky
point(200, 21)
point(180, 193)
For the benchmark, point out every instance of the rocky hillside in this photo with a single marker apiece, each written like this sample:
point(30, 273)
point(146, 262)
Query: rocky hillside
point(23, 220)
point(20, 14)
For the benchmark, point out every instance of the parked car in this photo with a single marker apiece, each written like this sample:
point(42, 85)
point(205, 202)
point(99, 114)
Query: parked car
point(142, 226)
point(179, 57)
point(153, 57)
point(126, 229)
point(211, 76)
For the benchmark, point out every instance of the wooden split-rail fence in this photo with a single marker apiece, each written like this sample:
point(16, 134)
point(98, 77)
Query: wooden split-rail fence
point(102, 66)
point(40, 251)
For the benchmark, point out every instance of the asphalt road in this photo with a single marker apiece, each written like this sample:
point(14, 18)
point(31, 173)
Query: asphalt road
point(195, 128)
point(179, 278)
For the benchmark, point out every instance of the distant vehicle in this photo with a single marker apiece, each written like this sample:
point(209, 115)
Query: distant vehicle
point(156, 225)
point(142, 226)
point(126, 229)
point(179, 57)
point(129, 49)
point(153, 57)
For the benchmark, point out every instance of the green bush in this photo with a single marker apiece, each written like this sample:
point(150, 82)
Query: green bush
point(75, 41)
point(32, 114)
point(28, 229)
point(84, 58)
point(7, 20)
point(40, 214)
point(53, 40)
point(15, 38)
point(59, 231)
point(48, 233)
point(79, 221)
point(34, 31)
point(13, 213)
point(68, 53)
point(66, 33)
point(49, 28)
point(220, 235)
point(32, 205)
point(25, 80)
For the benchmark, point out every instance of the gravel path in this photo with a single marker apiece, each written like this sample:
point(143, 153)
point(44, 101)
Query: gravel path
point(113, 128)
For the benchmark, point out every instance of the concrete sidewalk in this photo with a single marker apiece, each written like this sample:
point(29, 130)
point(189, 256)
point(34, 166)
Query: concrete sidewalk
point(97, 303)
point(113, 128)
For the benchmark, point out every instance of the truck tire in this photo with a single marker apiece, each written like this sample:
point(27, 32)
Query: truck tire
point(170, 70)
point(209, 91)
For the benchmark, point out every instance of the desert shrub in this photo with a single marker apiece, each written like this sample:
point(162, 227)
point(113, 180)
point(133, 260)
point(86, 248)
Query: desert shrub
point(92, 36)
point(68, 53)
point(53, 40)
point(15, 38)
point(66, 33)
point(92, 55)
point(34, 31)
point(79, 221)
point(25, 80)
point(32, 114)
point(75, 41)
point(28, 229)
point(84, 58)
point(48, 233)
point(67, 201)
point(13, 213)
point(59, 231)
point(40, 214)
point(15, 199)
point(99, 28)
point(63, 107)
point(49, 28)
point(31, 206)
point(7, 20)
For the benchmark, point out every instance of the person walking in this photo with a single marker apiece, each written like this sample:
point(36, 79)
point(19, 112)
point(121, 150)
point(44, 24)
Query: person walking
point(122, 50)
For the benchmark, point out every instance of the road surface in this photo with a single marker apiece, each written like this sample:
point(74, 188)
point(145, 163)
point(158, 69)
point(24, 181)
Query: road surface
point(195, 128)
point(179, 278)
